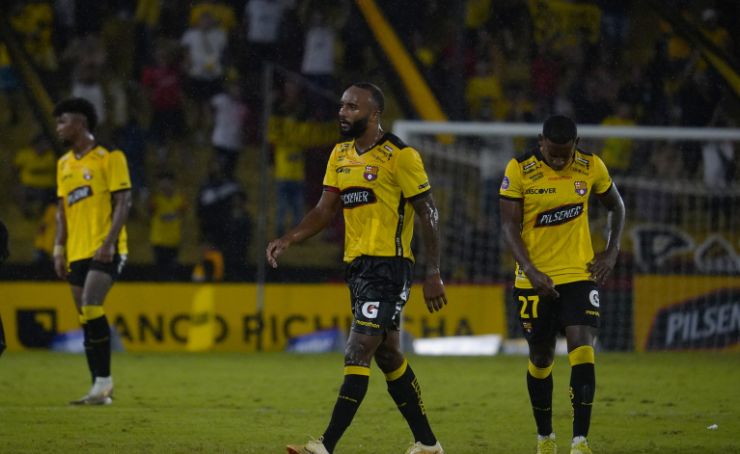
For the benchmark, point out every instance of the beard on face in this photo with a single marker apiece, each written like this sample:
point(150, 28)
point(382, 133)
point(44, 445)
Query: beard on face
point(356, 129)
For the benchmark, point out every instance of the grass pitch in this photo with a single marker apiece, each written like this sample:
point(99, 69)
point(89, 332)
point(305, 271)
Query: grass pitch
point(256, 403)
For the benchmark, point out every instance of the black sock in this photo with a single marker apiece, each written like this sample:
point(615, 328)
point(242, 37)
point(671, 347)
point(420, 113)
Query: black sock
point(582, 388)
point(89, 355)
point(99, 339)
point(540, 395)
point(350, 397)
point(406, 392)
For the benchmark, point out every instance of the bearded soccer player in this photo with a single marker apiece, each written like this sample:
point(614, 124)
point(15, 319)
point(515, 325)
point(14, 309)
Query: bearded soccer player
point(94, 191)
point(544, 210)
point(380, 183)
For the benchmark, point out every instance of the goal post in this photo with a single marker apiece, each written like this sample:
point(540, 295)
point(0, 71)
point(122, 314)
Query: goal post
point(677, 282)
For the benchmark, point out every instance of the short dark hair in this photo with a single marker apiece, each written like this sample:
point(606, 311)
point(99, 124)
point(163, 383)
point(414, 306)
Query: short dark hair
point(4, 252)
point(559, 129)
point(375, 92)
point(78, 106)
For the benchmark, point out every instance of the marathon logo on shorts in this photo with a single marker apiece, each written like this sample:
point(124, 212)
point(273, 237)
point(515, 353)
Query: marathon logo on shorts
point(559, 215)
point(78, 194)
point(356, 196)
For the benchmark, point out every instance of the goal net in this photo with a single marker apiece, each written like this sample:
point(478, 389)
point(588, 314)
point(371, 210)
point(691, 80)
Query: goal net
point(677, 281)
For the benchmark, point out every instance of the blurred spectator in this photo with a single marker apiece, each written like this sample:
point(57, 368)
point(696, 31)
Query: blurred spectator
point(239, 234)
point(658, 204)
point(146, 18)
point(163, 84)
point(65, 22)
point(616, 152)
point(214, 206)
point(320, 45)
point(591, 95)
point(715, 32)
point(484, 88)
point(545, 70)
point(229, 126)
point(167, 211)
point(9, 85)
point(43, 242)
point(118, 35)
point(615, 27)
point(205, 44)
point(35, 170)
point(262, 19)
point(634, 90)
point(289, 172)
point(33, 20)
point(131, 139)
point(221, 13)
point(698, 98)
point(87, 57)
point(720, 166)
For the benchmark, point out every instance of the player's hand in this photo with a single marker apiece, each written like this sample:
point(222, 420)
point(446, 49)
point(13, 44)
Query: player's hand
point(105, 253)
point(60, 266)
point(542, 283)
point(602, 265)
point(275, 249)
point(434, 292)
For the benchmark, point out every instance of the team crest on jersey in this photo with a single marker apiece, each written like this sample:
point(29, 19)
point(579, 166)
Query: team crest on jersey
point(371, 173)
point(581, 187)
point(86, 174)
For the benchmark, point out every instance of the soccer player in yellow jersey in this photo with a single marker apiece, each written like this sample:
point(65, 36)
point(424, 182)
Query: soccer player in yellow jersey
point(380, 183)
point(94, 191)
point(544, 211)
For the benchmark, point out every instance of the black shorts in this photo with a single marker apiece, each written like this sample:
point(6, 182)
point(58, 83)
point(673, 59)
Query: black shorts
point(79, 268)
point(379, 288)
point(543, 318)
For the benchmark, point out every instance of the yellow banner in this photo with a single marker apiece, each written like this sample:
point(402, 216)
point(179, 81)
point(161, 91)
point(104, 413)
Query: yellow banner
point(686, 312)
point(160, 317)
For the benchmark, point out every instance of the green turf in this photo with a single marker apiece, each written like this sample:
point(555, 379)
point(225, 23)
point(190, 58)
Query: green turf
point(255, 403)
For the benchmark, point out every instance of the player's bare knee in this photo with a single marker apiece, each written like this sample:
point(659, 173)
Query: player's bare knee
point(356, 354)
point(542, 359)
point(388, 359)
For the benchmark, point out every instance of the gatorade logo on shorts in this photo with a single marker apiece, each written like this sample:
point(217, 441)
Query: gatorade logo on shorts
point(593, 297)
point(370, 309)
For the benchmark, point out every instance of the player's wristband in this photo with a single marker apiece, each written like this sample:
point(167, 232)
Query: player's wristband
point(58, 250)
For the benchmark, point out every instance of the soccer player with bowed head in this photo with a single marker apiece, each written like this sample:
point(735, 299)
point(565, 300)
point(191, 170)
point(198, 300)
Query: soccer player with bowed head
point(380, 183)
point(90, 249)
point(544, 213)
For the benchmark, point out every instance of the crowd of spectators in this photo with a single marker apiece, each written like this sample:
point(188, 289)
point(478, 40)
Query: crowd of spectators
point(174, 78)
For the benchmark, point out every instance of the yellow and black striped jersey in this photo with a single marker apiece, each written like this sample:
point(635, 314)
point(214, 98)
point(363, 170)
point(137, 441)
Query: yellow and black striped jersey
point(555, 226)
point(86, 185)
point(376, 188)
